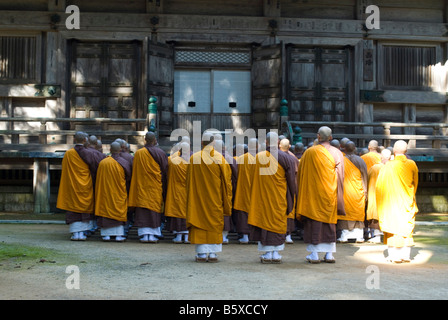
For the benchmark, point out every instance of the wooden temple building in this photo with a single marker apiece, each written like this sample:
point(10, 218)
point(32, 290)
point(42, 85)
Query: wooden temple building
point(291, 65)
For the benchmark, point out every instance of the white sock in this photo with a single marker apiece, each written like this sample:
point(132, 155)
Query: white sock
point(119, 238)
point(267, 255)
point(152, 237)
point(224, 236)
point(406, 253)
point(276, 255)
point(288, 238)
point(313, 256)
point(186, 237)
point(244, 238)
point(178, 237)
point(329, 256)
point(212, 255)
point(144, 237)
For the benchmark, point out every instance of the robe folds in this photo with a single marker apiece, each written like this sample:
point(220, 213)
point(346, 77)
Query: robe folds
point(176, 197)
point(273, 191)
point(148, 183)
point(371, 158)
point(372, 213)
point(110, 190)
point(320, 180)
point(209, 196)
point(355, 188)
point(246, 170)
point(395, 196)
point(76, 192)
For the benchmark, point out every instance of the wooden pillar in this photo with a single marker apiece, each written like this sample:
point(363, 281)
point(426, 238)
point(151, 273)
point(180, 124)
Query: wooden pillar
point(410, 116)
point(41, 186)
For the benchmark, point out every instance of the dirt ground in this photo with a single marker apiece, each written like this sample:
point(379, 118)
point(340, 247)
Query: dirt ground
point(137, 271)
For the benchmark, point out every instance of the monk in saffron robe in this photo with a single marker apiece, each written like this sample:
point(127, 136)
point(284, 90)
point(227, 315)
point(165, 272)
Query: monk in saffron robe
point(176, 196)
point(284, 146)
point(246, 171)
point(395, 199)
point(148, 189)
point(373, 156)
point(231, 162)
point(351, 226)
point(272, 199)
point(111, 205)
point(320, 181)
point(372, 212)
point(209, 199)
point(76, 192)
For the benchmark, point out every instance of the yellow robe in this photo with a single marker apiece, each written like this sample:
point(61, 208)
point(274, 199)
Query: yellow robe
point(209, 196)
point(246, 170)
point(110, 191)
point(268, 195)
point(146, 184)
point(395, 197)
point(371, 158)
point(372, 213)
point(317, 185)
point(354, 193)
point(76, 192)
point(176, 197)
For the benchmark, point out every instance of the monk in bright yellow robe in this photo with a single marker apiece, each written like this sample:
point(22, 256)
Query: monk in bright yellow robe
point(372, 213)
point(176, 196)
point(373, 156)
point(272, 197)
point(320, 181)
point(351, 226)
point(395, 198)
point(148, 188)
point(209, 199)
point(111, 205)
point(246, 171)
point(76, 193)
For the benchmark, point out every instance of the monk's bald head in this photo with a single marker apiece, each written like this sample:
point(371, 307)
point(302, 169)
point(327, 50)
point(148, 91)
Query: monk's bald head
point(373, 145)
point(150, 138)
point(115, 147)
point(284, 145)
point(335, 143)
point(386, 154)
point(272, 139)
point(80, 137)
point(324, 134)
point(93, 140)
point(207, 138)
point(350, 147)
point(400, 147)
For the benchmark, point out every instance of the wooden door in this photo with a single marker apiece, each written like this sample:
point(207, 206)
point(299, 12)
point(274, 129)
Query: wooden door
point(319, 82)
point(104, 82)
point(266, 86)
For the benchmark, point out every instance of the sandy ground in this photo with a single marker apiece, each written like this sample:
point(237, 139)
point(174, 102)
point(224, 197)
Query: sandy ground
point(137, 271)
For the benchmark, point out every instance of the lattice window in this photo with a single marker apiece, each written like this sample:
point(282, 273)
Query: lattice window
point(18, 58)
point(212, 57)
point(407, 66)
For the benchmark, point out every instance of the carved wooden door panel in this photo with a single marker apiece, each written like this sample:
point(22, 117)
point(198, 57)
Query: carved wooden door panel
point(266, 86)
point(104, 81)
point(319, 84)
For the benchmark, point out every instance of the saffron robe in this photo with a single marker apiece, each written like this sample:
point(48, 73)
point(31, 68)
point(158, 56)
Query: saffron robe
point(76, 192)
point(395, 196)
point(176, 197)
point(320, 181)
point(209, 196)
point(246, 170)
point(148, 183)
point(371, 158)
point(355, 188)
point(110, 191)
point(273, 191)
point(372, 213)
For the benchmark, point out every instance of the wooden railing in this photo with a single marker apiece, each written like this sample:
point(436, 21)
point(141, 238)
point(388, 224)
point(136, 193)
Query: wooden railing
point(43, 135)
point(434, 144)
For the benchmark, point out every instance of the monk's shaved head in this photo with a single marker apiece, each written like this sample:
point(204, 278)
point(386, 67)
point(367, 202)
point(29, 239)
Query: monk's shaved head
point(284, 145)
point(93, 140)
point(150, 138)
point(272, 138)
point(373, 145)
point(207, 138)
point(386, 154)
point(400, 147)
point(350, 147)
point(80, 137)
point(324, 134)
point(115, 147)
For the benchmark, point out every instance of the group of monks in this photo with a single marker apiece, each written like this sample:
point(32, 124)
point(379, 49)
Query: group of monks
point(263, 193)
